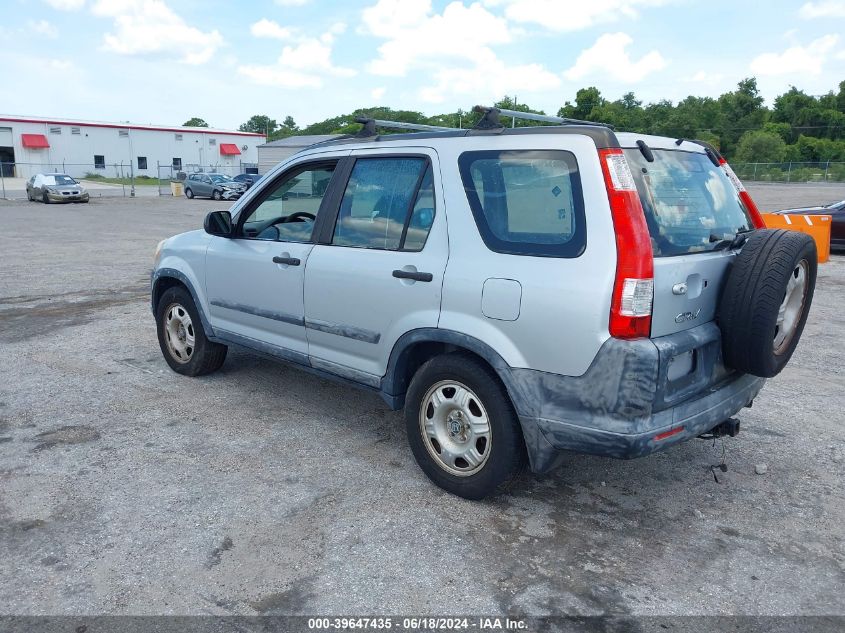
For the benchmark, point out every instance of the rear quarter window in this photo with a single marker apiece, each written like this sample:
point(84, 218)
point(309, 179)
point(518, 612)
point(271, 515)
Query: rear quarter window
point(526, 202)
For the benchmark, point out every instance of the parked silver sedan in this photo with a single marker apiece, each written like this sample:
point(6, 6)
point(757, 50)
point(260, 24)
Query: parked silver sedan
point(215, 186)
point(55, 188)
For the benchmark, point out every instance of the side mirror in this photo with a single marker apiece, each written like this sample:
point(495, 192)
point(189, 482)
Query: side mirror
point(218, 223)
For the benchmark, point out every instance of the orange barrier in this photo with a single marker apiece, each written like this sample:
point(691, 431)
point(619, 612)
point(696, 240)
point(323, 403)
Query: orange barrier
point(816, 226)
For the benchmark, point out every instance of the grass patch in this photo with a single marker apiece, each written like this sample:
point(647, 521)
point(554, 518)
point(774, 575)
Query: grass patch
point(139, 180)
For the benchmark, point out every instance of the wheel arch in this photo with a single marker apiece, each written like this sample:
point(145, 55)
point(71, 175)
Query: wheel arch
point(165, 278)
point(418, 346)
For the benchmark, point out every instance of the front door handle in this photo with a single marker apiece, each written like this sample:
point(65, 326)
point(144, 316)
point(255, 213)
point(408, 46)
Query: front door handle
point(290, 261)
point(407, 274)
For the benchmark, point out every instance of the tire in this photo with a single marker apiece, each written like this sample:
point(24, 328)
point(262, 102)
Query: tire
point(500, 453)
point(216, 195)
point(178, 325)
point(44, 198)
point(189, 194)
point(766, 299)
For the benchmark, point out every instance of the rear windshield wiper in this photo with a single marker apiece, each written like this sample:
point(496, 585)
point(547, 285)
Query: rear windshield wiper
point(735, 242)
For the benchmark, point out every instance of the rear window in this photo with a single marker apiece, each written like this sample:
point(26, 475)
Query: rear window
point(526, 202)
point(690, 204)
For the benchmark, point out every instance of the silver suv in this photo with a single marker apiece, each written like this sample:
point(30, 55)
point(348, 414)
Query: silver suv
point(521, 292)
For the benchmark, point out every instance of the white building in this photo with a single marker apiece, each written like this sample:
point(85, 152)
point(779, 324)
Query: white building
point(29, 145)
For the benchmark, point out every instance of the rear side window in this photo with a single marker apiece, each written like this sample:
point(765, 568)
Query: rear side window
point(690, 204)
point(388, 204)
point(526, 202)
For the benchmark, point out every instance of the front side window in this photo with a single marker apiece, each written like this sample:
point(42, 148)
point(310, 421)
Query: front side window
point(526, 202)
point(382, 195)
point(289, 211)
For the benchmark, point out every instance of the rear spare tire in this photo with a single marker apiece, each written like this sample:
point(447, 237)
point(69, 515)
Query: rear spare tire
point(766, 300)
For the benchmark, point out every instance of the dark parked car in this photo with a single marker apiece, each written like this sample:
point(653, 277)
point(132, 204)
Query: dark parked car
point(247, 179)
point(836, 211)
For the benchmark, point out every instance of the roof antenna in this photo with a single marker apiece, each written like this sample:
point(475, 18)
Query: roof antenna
point(490, 120)
point(369, 129)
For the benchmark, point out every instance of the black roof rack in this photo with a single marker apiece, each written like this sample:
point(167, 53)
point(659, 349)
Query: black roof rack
point(490, 120)
point(371, 125)
point(602, 134)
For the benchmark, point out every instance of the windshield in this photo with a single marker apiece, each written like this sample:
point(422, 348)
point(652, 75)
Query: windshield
point(690, 204)
point(220, 178)
point(59, 180)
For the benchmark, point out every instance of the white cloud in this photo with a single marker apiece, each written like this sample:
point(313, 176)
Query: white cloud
point(704, 77)
point(66, 5)
point(826, 9)
point(609, 57)
point(378, 93)
point(415, 37)
point(271, 29)
point(796, 59)
point(301, 66)
point(489, 84)
point(150, 26)
point(454, 48)
point(43, 27)
point(561, 16)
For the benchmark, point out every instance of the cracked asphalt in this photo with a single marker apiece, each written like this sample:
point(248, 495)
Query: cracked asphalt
point(128, 489)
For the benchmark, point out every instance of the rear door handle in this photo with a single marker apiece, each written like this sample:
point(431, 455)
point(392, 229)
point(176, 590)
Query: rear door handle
point(405, 274)
point(290, 261)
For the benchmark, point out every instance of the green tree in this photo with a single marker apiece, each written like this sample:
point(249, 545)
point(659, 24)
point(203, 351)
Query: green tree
point(742, 110)
point(260, 124)
point(195, 121)
point(586, 100)
point(757, 146)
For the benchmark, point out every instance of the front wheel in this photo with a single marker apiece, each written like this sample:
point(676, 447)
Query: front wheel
point(44, 198)
point(216, 195)
point(462, 427)
point(181, 336)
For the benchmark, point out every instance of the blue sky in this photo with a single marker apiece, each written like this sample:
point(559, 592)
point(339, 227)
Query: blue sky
point(163, 61)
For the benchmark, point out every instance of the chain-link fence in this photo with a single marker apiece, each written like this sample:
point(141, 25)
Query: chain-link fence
point(111, 179)
point(169, 176)
point(825, 171)
point(99, 179)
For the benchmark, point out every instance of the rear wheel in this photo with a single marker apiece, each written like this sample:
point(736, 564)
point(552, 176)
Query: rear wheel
point(188, 193)
point(182, 338)
point(462, 427)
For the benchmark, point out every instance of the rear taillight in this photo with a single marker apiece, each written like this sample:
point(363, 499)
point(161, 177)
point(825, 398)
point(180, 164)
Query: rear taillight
point(633, 290)
point(756, 218)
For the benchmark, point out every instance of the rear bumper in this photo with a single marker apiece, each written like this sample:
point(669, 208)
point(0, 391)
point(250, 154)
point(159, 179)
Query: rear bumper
point(626, 399)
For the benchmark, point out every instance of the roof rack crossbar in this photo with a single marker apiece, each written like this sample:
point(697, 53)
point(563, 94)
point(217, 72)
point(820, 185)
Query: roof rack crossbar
point(544, 118)
point(370, 126)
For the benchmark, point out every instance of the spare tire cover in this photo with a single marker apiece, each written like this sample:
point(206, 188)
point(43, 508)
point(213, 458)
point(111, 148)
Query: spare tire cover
point(766, 299)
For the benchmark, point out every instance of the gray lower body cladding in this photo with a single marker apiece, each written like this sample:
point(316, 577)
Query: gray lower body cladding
point(628, 396)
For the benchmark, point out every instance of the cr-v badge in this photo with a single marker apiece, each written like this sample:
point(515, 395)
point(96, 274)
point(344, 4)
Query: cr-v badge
point(687, 316)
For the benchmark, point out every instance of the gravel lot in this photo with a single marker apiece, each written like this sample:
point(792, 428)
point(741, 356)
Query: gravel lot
point(128, 489)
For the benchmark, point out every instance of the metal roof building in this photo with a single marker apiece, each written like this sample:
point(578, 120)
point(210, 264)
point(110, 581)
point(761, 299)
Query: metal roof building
point(272, 153)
